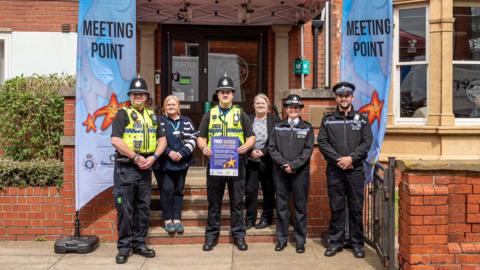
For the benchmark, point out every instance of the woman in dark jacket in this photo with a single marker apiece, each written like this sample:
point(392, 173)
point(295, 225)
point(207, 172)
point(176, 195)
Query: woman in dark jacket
point(259, 166)
point(174, 163)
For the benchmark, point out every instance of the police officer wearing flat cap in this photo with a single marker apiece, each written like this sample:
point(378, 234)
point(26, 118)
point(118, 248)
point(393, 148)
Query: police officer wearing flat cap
point(225, 119)
point(138, 142)
point(345, 138)
point(291, 146)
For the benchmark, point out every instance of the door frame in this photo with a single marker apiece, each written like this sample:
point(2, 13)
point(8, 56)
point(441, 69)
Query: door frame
point(205, 33)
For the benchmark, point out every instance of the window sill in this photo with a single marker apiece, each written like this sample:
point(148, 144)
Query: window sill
point(433, 130)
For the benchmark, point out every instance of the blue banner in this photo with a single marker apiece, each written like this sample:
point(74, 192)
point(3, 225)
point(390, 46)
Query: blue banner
point(366, 59)
point(106, 62)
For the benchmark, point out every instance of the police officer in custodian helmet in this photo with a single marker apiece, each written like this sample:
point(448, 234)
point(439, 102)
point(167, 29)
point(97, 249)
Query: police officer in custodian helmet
point(138, 142)
point(345, 138)
point(228, 120)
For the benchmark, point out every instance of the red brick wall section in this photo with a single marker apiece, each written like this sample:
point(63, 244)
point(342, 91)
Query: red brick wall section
point(98, 217)
point(38, 16)
point(439, 221)
point(32, 213)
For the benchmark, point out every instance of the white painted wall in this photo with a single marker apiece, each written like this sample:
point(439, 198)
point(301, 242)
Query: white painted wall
point(42, 53)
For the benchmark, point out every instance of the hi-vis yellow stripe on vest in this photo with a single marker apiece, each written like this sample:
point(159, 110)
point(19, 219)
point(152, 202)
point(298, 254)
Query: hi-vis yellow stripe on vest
point(141, 132)
point(229, 125)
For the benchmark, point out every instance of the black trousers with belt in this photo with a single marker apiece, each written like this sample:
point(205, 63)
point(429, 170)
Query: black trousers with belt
point(258, 172)
point(215, 191)
point(293, 186)
point(346, 187)
point(132, 192)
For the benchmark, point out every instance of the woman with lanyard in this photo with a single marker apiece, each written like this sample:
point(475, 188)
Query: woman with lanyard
point(173, 165)
point(259, 166)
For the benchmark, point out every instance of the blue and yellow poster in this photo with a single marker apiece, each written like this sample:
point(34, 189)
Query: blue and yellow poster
point(106, 62)
point(366, 59)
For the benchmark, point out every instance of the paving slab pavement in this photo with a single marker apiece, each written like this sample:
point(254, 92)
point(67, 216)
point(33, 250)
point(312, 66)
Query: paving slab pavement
point(40, 255)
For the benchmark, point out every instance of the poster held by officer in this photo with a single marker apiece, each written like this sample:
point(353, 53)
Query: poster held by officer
point(224, 159)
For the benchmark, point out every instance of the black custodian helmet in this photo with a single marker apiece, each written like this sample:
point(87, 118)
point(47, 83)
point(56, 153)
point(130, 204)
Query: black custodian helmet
point(225, 83)
point(138, 85)
point(293, 100)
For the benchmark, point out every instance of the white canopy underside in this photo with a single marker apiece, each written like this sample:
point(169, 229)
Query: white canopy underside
point(228, 12)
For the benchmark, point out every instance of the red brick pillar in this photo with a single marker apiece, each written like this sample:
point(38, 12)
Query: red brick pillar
point(439, 215)
point(68, 142)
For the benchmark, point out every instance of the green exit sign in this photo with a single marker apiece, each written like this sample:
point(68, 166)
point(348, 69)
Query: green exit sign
point(185, 81)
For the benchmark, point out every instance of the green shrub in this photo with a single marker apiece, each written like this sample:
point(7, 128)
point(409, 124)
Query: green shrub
point(30, 173)
point(32, 116)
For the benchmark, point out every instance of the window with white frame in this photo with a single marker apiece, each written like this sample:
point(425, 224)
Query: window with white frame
point(4, 56)
point(411, 64)
point(466, 63)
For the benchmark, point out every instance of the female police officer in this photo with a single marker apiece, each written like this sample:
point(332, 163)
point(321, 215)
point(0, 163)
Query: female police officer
point(139, 143)
point(290, 146)
point(225, 120)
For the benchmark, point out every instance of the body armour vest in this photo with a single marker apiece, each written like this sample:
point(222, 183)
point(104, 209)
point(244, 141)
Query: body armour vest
point(229, 125)
point(141, 132)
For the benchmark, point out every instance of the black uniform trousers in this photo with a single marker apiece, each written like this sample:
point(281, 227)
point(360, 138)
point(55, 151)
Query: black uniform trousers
point(293, 186)
point(346, 186)
point(171, 185)
point(256, 173)
point(215, 191)
point(132, 192)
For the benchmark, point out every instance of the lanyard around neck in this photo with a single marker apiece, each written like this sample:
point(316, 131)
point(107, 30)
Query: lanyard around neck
point(175, 127)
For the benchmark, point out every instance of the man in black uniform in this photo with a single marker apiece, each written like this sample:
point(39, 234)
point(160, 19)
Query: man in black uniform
point(345, 138)
point(225, 120)
point(139, 142)
point(291, 146)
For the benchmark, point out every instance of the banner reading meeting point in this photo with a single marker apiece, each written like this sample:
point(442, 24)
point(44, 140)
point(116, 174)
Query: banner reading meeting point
point(106, 62)
point(366, 59)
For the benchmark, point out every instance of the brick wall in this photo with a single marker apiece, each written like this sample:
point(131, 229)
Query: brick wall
point(98, 217)
point(439, 220)
point(335, 46)
point(38, 16)
point(32, 213)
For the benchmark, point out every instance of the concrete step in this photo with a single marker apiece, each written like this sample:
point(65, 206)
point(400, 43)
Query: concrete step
point(196, 217)
point(196, 235)
point(200, 231)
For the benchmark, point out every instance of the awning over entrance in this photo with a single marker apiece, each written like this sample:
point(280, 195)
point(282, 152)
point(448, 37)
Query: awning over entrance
point(228, 12)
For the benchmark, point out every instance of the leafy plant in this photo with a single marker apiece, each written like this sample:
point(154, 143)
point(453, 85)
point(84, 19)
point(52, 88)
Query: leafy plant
point(31, 173)
point(31, 122)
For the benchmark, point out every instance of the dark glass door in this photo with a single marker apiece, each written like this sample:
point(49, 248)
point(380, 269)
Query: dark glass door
point(197, 56)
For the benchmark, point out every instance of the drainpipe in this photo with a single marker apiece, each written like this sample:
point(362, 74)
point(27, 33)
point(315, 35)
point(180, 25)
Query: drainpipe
point(302, 54)
point(316, 27)
point(327, 44)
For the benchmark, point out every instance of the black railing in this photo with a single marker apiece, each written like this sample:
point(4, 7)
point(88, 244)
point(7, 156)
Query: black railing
point(379, 213)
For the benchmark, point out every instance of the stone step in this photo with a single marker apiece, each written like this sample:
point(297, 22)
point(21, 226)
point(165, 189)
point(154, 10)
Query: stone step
point(201, 199)
point(200, 231)
point(196, 235)
point(197, 214)
point(196, 217)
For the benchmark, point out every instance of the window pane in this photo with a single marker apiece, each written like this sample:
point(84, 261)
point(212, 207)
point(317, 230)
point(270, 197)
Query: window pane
point(412, 37)
point(466, 91)
point(467, 33)
point(413, 91)
point(237, 59)
point(2, 61)
point(185, 70)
